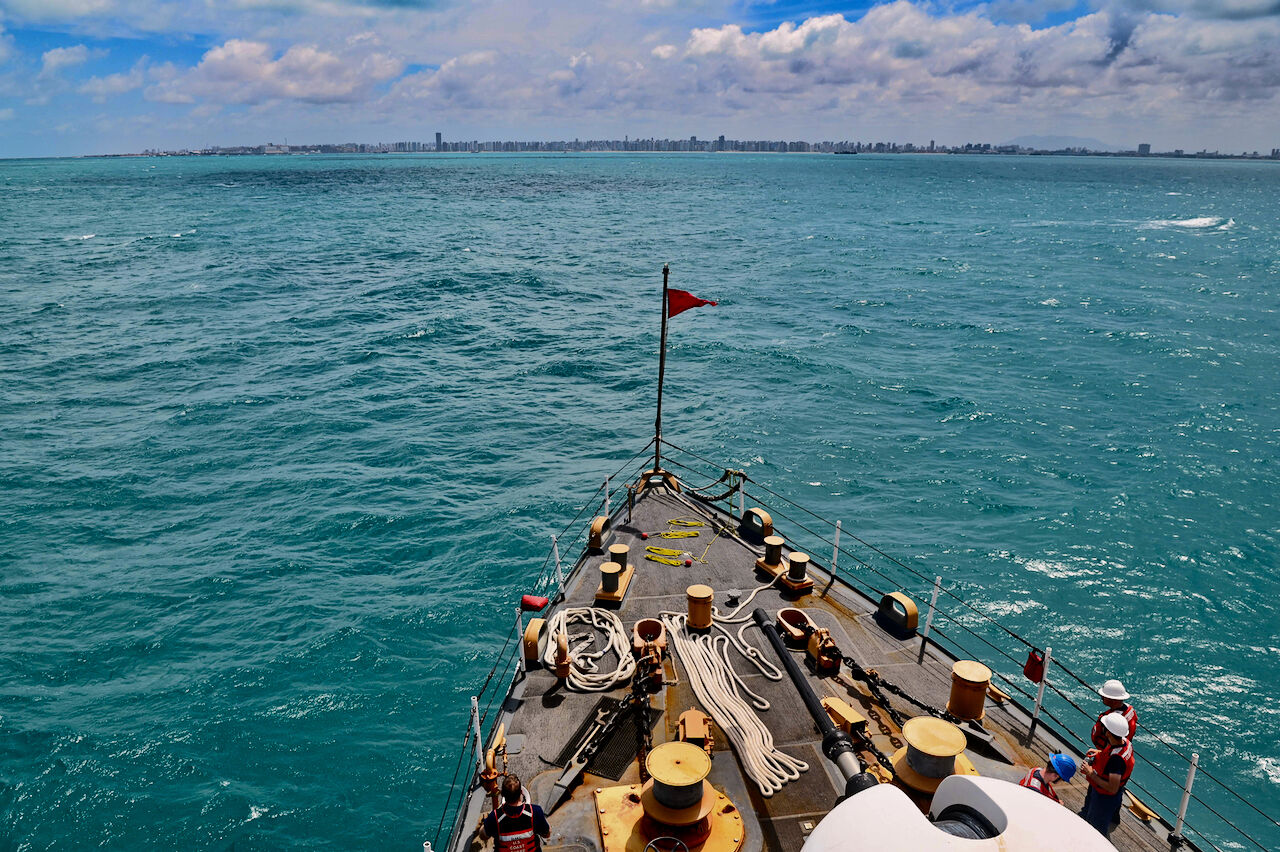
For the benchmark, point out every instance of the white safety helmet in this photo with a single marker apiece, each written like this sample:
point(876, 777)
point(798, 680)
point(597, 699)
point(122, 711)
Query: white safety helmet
point(1114, 690)
point(1117, 724)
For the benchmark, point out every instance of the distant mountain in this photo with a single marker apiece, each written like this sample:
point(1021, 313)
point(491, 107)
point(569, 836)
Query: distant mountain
point(1057, 143)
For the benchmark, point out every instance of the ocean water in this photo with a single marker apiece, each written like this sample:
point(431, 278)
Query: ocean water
point(283, 439)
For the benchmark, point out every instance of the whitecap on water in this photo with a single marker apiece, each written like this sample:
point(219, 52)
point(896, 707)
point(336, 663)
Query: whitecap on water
point(1196, 222)
point(1269, 768)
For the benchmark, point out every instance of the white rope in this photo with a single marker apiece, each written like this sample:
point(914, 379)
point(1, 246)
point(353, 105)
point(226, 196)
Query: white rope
point(584, 671)
point(721, 691)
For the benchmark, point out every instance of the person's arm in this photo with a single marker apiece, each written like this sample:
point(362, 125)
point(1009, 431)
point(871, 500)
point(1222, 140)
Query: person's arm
point(1111, 781)
point(540, 825)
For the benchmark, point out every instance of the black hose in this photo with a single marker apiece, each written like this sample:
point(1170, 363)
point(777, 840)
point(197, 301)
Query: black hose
point(836, 744)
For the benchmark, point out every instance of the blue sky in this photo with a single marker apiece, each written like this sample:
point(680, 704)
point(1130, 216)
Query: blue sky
point(109, 76)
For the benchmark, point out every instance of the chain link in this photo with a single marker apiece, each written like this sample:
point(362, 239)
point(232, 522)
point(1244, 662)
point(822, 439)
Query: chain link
point(875, 683)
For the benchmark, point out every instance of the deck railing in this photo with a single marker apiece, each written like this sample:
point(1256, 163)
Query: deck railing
point(957, 625)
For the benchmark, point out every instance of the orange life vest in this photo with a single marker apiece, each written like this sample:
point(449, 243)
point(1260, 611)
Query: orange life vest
point(1099, 734)
point(1035, 780)
point(515, 830)
point(1124, 751)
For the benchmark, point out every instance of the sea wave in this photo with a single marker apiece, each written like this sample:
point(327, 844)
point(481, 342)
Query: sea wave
point(1193, 223)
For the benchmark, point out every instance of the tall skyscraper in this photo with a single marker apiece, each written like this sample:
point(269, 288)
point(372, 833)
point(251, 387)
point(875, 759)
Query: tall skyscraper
point(438, 145)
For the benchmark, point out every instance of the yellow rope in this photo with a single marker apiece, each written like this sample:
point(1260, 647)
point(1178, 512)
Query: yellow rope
point(664, 551)
point(703, 557)
point(664, 560)
point(679, 534)
point(681, 522)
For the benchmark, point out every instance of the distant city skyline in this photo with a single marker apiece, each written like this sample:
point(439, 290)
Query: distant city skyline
point(104, 76)
point(695, 144)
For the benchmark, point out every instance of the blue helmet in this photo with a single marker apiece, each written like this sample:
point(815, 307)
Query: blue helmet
point(1063, 765)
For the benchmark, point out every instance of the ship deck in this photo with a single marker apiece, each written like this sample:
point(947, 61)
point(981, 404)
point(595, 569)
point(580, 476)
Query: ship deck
point(541, 716)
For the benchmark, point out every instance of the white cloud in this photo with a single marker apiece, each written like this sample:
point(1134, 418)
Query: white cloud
point(1210, 9)
point(247, 72)
point(900, 52)
point(560, 66)
point(54, 10)
point(60, 58)
point(6, 114)
point(101, 88)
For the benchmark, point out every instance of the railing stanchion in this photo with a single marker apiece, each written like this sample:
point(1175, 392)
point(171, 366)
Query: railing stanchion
point(742, 495)
point(1044, 679)
point(928, 619)
point(555, 549)
point(475, 732)
point(1175, 839)
point(519, 638)
point(835, 557)
point(607, 480)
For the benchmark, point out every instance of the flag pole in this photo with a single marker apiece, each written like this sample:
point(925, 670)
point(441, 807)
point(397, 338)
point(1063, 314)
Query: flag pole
point(662, 366)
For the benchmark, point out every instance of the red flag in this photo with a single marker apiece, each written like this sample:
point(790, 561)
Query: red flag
point(679, 301)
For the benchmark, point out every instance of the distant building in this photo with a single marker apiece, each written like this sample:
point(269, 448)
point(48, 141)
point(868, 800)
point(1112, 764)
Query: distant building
point(1144, 150)
point(438, 146)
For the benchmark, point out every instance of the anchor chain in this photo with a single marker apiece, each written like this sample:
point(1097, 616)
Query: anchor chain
point(865, 743)
point(874, 715)
point(875, 683)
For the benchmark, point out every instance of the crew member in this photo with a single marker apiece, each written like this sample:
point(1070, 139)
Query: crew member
point(1114, 696)
point(1042, 780)
point(518, 824)
point(1107, 770)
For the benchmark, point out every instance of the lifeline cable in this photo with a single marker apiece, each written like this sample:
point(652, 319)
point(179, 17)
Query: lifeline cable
point(999, 650)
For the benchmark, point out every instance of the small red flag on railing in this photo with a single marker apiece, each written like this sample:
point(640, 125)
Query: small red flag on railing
point(679, 301)
point(1034, 667)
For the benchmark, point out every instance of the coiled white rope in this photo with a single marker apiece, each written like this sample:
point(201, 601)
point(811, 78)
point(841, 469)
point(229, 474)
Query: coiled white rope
point(721, 691)
point(584, 671)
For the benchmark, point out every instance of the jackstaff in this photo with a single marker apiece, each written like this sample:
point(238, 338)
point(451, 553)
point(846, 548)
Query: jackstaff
point(673, 302)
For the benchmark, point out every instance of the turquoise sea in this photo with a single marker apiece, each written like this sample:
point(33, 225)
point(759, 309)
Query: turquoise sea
point(283, 439)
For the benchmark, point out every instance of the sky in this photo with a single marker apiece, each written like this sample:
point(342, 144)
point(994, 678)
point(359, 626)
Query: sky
point(116, 76)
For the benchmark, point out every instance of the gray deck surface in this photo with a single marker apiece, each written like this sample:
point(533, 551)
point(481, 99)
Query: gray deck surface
point(548, 714)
